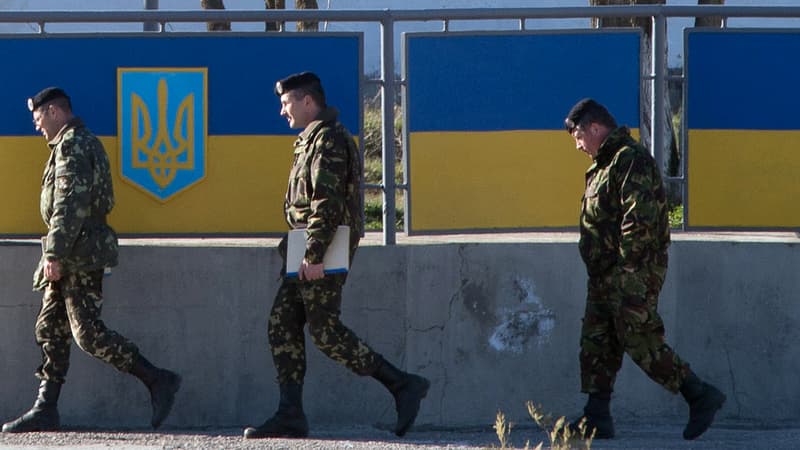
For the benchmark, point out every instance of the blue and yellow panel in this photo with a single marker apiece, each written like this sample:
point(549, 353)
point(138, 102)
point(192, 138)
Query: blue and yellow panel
point(190, 123)
point(743, 129)
point(487, 147)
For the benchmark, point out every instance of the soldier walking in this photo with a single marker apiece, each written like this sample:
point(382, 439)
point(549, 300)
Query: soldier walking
point(323, 193)
point(77, 195)
point(624, 235)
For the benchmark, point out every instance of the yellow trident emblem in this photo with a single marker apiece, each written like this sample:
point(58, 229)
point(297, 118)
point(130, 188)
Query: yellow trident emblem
point(163, 158)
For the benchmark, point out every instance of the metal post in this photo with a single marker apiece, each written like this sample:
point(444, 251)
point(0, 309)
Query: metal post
point(151, 26)
point(387, 141)
point(658, 114)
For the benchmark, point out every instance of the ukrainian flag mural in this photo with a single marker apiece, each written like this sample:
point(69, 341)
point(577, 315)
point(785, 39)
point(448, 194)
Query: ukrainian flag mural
point(487, 147)
point(190, 123)
point(744, 133)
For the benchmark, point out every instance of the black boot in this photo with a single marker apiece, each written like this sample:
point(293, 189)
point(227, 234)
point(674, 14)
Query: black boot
point(408, 391)
point(162, 384)
point(288, 422)
point(44, 414)
point(704, 400)
point(598, 417)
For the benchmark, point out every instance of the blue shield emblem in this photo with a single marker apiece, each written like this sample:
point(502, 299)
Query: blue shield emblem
point(162, 128)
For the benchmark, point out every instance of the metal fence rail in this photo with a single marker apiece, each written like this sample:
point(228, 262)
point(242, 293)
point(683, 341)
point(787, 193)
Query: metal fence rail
point(387, 19)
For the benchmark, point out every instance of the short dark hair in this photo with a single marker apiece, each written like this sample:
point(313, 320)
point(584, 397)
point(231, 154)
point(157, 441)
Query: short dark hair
point(62, 103)
point(304, 83)
point(588, 111)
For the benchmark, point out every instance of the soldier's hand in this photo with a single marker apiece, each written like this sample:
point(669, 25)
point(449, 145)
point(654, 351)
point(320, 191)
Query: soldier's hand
point(52, 270)
point(311, 272)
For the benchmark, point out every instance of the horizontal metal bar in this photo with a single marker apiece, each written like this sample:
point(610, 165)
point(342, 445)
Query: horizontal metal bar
point(396, 15)
point(380, 186)
point(666, 77)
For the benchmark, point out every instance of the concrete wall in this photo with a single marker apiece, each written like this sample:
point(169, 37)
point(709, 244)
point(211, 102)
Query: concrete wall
point(492, 324)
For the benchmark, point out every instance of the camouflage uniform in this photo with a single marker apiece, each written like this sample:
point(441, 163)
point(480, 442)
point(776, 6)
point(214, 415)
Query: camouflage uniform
point(323, 193)
point(624, 239)
point(77, 195)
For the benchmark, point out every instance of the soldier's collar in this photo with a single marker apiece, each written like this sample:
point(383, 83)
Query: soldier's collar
point(326, 115)
point(612, 142)
point(74, 122)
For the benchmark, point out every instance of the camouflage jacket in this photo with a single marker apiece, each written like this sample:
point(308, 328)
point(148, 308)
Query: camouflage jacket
point(324, 185)
point(624, 221)
point(77, 194)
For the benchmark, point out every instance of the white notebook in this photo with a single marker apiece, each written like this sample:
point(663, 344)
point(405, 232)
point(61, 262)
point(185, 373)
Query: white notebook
point(337, 257)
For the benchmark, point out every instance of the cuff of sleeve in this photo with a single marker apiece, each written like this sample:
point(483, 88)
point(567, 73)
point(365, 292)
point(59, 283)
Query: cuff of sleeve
point(52, 247)
point(315, 252)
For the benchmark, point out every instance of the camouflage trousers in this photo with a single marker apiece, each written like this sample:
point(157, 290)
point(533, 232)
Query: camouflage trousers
point(622, 317)
point(317, 303)
point(71, 310)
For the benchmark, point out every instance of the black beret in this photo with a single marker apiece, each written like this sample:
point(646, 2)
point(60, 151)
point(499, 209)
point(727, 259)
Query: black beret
point(46, 95)
point(298, 80)
point(580, 110)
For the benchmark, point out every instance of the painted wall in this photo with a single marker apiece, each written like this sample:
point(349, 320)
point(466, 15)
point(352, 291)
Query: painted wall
point(241, 166)
point(486, 123)
point(743, 134)
point(492, 322)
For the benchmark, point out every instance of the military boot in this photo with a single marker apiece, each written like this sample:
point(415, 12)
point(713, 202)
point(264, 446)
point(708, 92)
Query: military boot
point(704, 400)
point(43, 416)
point(162, 384)
point(598, 417)
point(408, 391)
point(288, 422)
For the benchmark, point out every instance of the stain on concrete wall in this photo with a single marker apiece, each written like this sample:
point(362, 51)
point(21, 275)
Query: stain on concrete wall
point(524, 324)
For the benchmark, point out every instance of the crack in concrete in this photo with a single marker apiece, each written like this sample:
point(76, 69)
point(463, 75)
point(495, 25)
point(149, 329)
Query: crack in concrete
point(733, 383)
point(445, 383)
point(462, 271)
point(430, 328)
point(368, 309)
point(462, 275)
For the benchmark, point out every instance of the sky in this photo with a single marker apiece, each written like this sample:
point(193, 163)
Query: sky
point(371, 31)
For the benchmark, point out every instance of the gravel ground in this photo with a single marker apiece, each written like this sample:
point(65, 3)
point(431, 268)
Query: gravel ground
point(230, 438)
point(629, 436)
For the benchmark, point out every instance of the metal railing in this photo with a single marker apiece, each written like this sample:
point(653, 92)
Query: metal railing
point(388, 18)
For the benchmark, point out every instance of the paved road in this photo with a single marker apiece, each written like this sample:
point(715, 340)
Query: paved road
point(630, 436)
